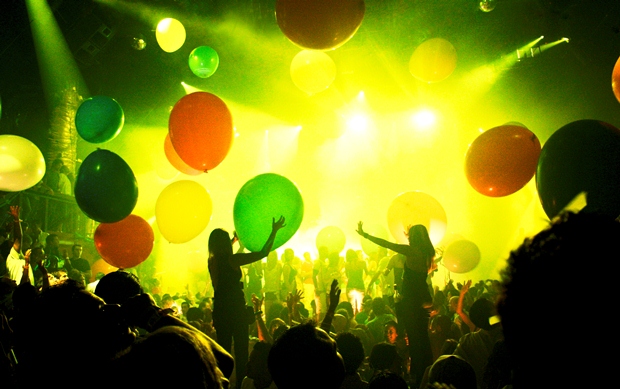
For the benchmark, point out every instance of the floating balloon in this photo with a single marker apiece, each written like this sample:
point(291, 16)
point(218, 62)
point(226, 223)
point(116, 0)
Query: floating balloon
point(319, 24)
point(461, 256)
point(99, 119)
point(487, 5)
point(615, 80)
point(502, 160)
point(101, 266)
point(126, 243)
point(203, 61)
point(433, 61)
point(176, 161)
point(22, 164)
point(201, 130)
point(411, 208)
point(313, 71)
point(331, 237)
point(582, 156)
point(379, 231)
point(170, 34)
point(106, 189)
point(261, 199)
point(183, 210)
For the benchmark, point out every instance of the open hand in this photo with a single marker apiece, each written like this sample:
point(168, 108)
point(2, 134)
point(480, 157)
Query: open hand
point(276, 225)
point(334, 295)
point(360, 228)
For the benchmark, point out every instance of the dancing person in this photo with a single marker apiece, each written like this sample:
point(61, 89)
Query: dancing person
point(413, 308)
point(229, 307)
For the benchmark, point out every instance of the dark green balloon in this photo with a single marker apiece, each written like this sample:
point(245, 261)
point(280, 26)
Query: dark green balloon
point(582, 156)
point(106, 189)
point(99, 119)
point(261, 199)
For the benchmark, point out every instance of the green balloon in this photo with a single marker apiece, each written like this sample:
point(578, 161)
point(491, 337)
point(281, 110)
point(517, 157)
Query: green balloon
point(106, 189)
point(99, 119)
point(203, 61)
point(259, 201)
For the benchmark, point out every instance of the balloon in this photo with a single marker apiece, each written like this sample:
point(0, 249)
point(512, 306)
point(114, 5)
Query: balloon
point(261, 199)
point(170, 34)
point(411, 208)
point(201, 130)
point(126, 243)
point(101, 266)
point(313, 71)
point(106, 189)
point(319, 24)
point(176, 161)
point(582, 156)
point(502, 160)
point(203, 61)
point(461, 256)
point(379, 231)
point(99, 119)
point(433, 61)
point(183, 210)
point(615, 80)
point(331, 237)
point(22, 164)
point(487, 5)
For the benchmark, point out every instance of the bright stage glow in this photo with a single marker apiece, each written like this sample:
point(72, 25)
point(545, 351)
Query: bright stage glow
point(424, 119)
point(358, 123)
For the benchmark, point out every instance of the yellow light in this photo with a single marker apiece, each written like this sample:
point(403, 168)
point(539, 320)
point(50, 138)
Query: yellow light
point(357, 123)
point(423, 119)
point(361, 96)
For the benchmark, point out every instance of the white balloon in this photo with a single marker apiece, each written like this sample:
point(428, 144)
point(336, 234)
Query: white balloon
point(22, 164)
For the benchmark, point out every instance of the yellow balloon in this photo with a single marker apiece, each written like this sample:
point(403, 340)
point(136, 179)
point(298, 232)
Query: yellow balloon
point(183, 210)
point(170, 35)
point(433, 61)
point(313, 71)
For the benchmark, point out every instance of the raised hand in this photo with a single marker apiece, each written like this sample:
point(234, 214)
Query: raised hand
point(276, 225)
point(257, 302)
point(360, 228)
point(14, 211)
point(334, 295)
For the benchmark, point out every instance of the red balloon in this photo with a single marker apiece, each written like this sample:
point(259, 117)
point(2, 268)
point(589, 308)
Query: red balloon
point(461, 256)
point(319, 24)
point(101, 266)
point(502, 160)
point(176, 161)
point(615, 80)
point(126, 243)
point(201, 130)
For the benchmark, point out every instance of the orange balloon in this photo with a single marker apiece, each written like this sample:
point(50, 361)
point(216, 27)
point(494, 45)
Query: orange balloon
point(434, 60)
point(176, 161)
point(502, 160)
point(101, 266)
point(319, 24)
point(201, 130)
point(461, 256)
point(411, 208)
point(615, 80)
point(126, 243)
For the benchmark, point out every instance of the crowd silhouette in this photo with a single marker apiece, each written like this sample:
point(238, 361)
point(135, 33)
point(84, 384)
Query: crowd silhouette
point(294, 329)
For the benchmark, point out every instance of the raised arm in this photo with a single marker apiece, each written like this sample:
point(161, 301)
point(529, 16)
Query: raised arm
point(334, 299)
point(263, 332)
point(240, 259)
point(459, 307)
point(17, 228)
point(399, 248)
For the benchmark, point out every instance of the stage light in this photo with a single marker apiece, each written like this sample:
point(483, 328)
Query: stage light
point(424, 119)
point(358, 123)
